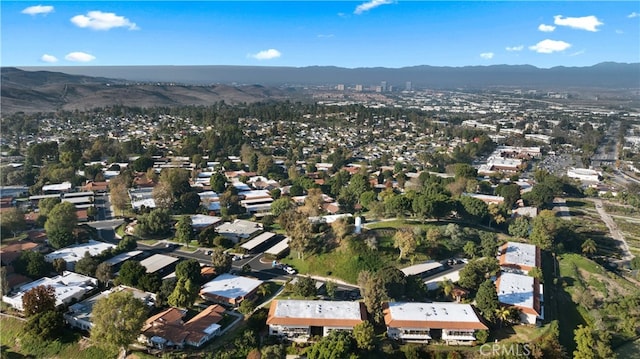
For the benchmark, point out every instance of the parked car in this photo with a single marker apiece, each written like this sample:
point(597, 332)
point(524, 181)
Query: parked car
point(289, 269)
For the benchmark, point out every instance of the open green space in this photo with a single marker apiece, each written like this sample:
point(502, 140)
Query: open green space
point(70, 345)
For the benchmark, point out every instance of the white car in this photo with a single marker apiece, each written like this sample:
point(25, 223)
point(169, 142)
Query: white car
point(289, 270)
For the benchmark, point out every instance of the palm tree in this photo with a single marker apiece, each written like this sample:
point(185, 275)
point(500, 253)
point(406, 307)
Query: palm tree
point(264, 290)
point(447, 287)
point(589, 247)
point(503, 314)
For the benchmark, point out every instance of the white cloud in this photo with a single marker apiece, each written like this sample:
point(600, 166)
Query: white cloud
point(325, 36)
point(577, 53)
point(48, 58)
point(370, 5)
point(514, 48)
point(267, 54)
point(550, 46)
point(38, 9)
point(98, 20)
point(487, 55)
point(633, 14)
point(79, 57)
point(546, 28)
point(588, 23)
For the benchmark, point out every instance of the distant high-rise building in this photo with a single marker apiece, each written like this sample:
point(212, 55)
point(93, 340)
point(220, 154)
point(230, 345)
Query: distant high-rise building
point(383, 86)
point(340, 87)
point(359, 88)
point(407, 86)
point(378, 89)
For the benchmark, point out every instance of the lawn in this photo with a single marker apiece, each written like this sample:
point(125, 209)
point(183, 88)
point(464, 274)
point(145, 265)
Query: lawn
point(70, 345)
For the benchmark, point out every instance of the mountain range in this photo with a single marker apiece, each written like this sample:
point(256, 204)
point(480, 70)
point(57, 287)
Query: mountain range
point(32, 89)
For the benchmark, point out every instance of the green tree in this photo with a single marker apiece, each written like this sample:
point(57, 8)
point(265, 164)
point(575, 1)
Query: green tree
point(589, 247)
point(520, 227)
point(277, 351)
point(4, 284)
point(338, 344)
point(44, 326)
point(470, 249)
point(405, 240)
point(45, 205)
point(59, 265)
point(31, 264)
point(117, 319)
point(474, 208)
point(87, 265)
point(510, 192)
point(189, 202)
point(489, 244)
point(591, 344)
point(38, 300)
point(373, 292)
point(298, 228)
point(364, 336)
point(220, 261)
point(536, 272)
point(184, 231)
point(331, 288)
point(156, 222)
point(131, 272)
point(476, 271)
point(104, 272)
point(127, 243)
point(544, 230)
point(142, 163)
point(305, 287)
point(281, 205)
point(13, 221)
point(184, 294)
point(61, 219)
point(189, 269)
point(487, 299)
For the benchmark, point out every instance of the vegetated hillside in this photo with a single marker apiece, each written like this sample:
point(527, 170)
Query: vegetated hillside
point(45, 91)
point(603, 75)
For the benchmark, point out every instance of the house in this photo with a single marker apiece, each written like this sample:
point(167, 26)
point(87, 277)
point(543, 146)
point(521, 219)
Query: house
point(239, 230)
point(67, 287)
point(519, 257)
point(76, 252)
point(159, 263)
point(57, 188)
point(11, 252)
point(299, 319)
point(229, 289)
point(454, 323)
point(488, 199)
point(200, 222)
point(522, 292)
point(423, 270)
point(79, 314)
point(168, 330)
point(99, 187)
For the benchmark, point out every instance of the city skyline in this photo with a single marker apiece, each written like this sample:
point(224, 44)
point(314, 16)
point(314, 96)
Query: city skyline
point(351, 34)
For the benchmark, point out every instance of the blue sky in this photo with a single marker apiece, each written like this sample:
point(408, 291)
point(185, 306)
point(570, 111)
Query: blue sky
point(383, 33)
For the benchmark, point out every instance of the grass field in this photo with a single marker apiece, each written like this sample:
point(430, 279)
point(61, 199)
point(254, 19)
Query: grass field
point(69, 346)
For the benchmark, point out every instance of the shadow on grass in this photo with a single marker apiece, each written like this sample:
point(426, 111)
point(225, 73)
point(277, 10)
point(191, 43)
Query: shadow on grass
point(7, 353)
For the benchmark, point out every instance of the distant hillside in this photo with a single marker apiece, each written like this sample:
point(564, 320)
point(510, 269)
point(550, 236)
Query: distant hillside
point(604, 75)
point(44, 91)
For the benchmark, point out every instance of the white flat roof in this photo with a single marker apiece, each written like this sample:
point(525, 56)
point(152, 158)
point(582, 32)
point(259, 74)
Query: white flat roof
point(239, 227)
point(64, 186)
point(521, 254)
point(433, 283)
point(230, 286)
point(157, 262)
point(67, 285)
point(440, 312)
point(260, 239)
point(201, 220)
point(122, 257)
point(318, 309)
point(76, 252)
point(421, 268)
point(516, 289)
point(279, 247)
